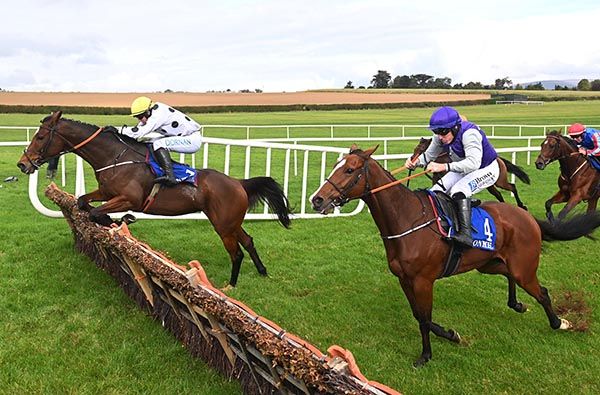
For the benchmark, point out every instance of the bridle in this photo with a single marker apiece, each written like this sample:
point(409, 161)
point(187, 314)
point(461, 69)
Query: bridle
point(556, 152)
point(52, 131)
point(343, 198)
point(364, 171)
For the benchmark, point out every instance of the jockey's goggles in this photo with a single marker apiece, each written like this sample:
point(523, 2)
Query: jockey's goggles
point(441, 131)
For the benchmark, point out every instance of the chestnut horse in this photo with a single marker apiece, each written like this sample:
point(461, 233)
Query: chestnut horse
point(504, 165)
point(416, 251)
point(125, 181)
point(578, 180)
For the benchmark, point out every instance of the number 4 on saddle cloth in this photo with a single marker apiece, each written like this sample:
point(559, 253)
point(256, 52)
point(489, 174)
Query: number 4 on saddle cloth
point(483, 228)
point(181, 171)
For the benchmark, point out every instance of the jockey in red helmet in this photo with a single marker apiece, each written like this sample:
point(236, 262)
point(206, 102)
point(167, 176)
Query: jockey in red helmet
point(588, 139)
point(473, 167)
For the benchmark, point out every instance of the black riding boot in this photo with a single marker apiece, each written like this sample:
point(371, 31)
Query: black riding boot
point(463, 236)
point(164, 160)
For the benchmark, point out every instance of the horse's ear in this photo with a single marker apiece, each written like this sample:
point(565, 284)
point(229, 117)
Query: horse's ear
point(370, 151)
point(55, 117)
point(353, 147)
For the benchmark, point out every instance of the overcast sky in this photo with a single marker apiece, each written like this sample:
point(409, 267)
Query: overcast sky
point(280, 45)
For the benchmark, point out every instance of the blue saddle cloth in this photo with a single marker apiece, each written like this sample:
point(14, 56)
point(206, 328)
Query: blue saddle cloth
point(483, 227)
point(181, 171)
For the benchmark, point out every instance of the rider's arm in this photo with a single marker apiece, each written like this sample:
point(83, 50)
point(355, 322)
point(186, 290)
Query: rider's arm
point(595, 139)
point(472, 143)
point(432, 152)
point(153, 122)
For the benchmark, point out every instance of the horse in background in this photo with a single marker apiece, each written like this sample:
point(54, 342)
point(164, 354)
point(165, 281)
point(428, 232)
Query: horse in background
point(578, 180)
point(125, 181)
point(504, 165)
point(416, 249)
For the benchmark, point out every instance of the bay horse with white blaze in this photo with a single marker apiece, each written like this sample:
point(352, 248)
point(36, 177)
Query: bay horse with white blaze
point(416, 251)
point(125, 180)
point(578, 180)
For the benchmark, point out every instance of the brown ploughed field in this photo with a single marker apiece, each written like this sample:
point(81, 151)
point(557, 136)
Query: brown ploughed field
point(225, 99)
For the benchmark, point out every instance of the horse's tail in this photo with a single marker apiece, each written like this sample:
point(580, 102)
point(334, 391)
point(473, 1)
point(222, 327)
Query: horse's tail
point(266, 189)
point(571, 229)
point(516, 170)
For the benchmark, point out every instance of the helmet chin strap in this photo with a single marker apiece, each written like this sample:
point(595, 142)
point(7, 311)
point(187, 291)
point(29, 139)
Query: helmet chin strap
point(454, 130)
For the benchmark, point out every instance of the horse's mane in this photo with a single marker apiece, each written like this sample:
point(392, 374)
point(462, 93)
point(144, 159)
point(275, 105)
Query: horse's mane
point(86, 125)
point(568, 140)
point(361, 153)
point(571, 142)
point(92, 128)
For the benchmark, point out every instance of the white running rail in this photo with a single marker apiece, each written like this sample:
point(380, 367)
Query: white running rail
point(299, 200)
point(310, 162)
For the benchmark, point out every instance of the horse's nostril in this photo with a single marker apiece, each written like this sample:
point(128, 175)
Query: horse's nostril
point(317, 201)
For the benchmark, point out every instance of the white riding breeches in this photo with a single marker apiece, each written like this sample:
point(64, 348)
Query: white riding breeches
point(183, 144)
point(470, 183)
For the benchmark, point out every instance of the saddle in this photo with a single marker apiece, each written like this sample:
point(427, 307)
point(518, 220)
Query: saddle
point(483, 228)
point(181, 171)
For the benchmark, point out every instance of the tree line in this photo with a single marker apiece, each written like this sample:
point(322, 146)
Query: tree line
point(383, 80)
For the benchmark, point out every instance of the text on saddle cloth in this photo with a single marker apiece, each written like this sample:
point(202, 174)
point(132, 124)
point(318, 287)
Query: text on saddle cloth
point(181, 171)
point(483, 227)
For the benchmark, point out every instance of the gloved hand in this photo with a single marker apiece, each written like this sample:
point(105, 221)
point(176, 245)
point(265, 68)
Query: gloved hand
point(110, 129)
point(410, 164)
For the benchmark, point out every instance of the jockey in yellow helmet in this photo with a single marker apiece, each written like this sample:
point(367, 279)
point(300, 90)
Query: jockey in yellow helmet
point(167, 129)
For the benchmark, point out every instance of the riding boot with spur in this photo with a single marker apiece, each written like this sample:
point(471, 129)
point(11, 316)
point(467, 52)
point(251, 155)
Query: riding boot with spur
point(463, 236)
point(164, 160)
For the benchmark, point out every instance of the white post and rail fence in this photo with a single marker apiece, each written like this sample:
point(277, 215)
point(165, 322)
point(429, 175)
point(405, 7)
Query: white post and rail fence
point(295, 162)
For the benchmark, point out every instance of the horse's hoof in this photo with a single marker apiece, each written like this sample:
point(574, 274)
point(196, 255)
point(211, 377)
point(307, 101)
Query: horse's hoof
point(419, 363)
point(82, 205)
point(519, 307)
point(455, 336)
point(263, 273)
point(565, 325)
point(128, 219)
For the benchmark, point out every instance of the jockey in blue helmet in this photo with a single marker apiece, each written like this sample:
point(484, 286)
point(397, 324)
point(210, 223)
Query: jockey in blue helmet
point(473, 167)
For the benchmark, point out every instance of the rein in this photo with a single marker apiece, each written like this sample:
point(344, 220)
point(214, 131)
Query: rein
point(393, 183)
point(342, 199)
point(84, 142)
point(53, 132)
point(565, 156)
